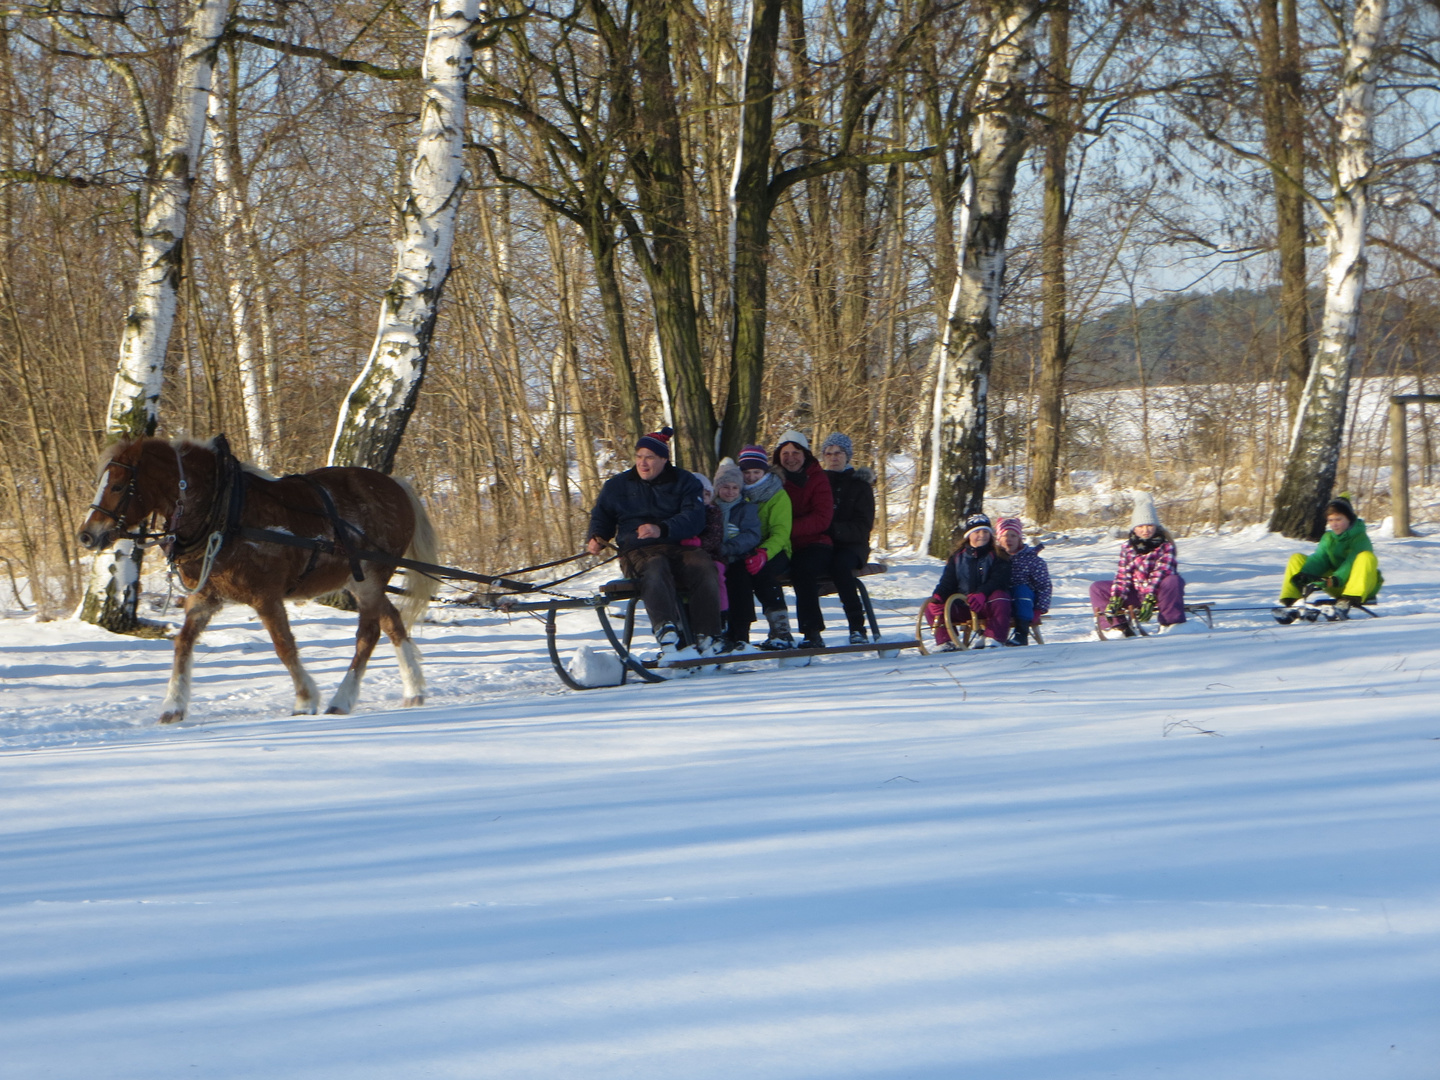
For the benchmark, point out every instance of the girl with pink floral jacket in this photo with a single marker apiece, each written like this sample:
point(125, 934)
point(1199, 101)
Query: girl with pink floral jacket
point(1148, 576)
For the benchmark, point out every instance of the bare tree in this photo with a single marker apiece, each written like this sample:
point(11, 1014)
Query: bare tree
point(378, 407)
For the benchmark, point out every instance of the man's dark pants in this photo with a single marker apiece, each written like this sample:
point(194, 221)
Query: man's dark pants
point(665, 571)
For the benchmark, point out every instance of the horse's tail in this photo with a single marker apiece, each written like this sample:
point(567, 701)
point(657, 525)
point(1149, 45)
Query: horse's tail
point(424, 547)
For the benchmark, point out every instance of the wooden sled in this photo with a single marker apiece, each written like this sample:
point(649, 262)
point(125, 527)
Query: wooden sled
point(970, 634)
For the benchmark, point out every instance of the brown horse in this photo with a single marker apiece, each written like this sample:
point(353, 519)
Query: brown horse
point(325, 528)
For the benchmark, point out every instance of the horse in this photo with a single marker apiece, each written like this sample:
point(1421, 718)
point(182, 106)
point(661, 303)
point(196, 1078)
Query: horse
point(235, 533)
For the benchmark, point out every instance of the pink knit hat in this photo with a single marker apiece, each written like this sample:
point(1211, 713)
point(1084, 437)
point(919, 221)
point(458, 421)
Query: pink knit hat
point(1010, 525)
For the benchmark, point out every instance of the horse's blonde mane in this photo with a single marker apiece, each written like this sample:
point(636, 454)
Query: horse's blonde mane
point(209, 444)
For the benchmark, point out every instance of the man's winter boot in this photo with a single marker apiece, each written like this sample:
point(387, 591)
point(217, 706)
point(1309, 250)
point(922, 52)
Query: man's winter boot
point(859, 637)
point(780, 637)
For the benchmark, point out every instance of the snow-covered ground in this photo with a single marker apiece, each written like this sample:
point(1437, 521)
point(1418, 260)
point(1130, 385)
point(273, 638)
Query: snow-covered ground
point(1208, 855)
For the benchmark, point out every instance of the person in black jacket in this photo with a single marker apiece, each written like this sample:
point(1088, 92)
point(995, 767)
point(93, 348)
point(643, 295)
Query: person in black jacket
point(980, 572)
point(854, 491)
point(648, 510)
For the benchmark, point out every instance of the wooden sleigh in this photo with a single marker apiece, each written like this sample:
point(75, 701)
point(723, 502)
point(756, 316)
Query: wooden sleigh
point(624, 593)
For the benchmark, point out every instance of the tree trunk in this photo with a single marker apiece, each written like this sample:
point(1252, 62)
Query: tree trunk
point(658, 167)
point(1320, 421)
point(1284, 121)
point(612, 303)
point(231, 212)
point(113, 593)
point(995, 151)
point(1054, 341)
point(373, 418)
point(753, 205)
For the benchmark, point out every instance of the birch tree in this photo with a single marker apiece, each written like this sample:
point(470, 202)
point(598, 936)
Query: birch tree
point(134, 409)
point(253, 364)
point(1319, 422)
point(373, 417)
point(997, 142)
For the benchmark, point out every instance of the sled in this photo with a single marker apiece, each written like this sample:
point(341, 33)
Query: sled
point(1129, 623)
point(624, 592)
point(1315, 608)
point(970, 634)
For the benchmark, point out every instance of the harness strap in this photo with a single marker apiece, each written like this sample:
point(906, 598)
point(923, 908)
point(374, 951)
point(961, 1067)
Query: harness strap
point(269, 536)
point(342, 529)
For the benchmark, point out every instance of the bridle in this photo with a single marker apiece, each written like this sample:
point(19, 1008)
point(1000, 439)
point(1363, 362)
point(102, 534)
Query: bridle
point(117, 515)
point(141, 536)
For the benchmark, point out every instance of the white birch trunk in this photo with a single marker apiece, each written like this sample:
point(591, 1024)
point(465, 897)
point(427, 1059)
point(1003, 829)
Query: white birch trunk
point(996, 145)
point(135, 397)
point(373, 418)
point(942, 351)
point(1320, 419)
point(113, 592)
point(231, 212)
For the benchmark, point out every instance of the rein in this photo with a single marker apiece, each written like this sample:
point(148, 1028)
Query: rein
point(222, 524)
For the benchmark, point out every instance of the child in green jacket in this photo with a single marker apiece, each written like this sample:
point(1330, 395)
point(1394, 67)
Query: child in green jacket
point(1343, 564)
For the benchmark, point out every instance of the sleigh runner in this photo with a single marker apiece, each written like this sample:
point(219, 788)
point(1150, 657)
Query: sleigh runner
point(625, 593)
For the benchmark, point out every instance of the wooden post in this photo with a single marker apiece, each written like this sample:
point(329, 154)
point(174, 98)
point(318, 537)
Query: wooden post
point(1400, 458)
point(1399, 469)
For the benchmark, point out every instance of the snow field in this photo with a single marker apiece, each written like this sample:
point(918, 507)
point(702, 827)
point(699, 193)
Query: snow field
point(1198, 856)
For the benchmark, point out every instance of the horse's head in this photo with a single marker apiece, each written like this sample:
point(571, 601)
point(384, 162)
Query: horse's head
point(119, 504)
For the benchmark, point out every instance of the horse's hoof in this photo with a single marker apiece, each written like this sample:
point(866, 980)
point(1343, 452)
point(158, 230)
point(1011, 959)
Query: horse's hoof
point(174, 716)
point(335, 710)
point(418, 699)
point(304, 710)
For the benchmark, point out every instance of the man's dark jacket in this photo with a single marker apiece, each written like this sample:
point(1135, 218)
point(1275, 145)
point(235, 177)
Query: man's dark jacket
point(673, 500)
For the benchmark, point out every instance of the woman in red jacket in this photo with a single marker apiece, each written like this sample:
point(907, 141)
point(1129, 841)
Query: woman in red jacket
point(813, 504)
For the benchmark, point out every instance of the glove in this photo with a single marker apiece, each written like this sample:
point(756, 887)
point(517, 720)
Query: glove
point(1116, 605)
point(731, 530)
point(1147, 608)
point(756, 562)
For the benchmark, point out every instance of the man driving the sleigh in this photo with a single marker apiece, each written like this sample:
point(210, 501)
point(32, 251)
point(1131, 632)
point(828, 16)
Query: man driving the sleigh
point(648, 510)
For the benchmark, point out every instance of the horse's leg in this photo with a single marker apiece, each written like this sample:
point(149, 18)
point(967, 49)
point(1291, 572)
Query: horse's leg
point(412, 679)
point(199, 609)
point(367, 633)
point(273, 618)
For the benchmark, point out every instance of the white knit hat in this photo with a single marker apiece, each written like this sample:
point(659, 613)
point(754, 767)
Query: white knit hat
point(1144, 512)
point(794, 436)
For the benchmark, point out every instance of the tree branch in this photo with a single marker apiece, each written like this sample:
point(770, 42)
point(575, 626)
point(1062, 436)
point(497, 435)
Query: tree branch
point(329, 59)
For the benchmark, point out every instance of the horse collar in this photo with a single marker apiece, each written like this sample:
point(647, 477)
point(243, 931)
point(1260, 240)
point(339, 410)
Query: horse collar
point(226, 502)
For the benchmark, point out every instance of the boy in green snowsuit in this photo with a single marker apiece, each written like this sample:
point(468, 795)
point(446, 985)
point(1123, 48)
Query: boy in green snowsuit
point(1343, 563)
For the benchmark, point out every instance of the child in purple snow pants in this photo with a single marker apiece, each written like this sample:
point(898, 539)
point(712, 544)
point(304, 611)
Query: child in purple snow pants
point(1169, 598)
point(994, 611)
point(1148, 568)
